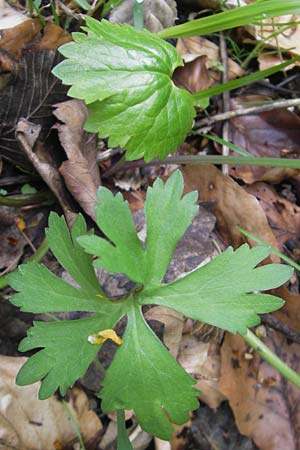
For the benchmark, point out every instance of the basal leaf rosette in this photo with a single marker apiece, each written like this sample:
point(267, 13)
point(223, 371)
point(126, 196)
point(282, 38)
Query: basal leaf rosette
point(124, 75)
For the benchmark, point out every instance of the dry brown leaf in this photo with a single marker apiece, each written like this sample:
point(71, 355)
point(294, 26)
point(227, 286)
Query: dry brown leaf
point(233, 206)
point(44, 164)
point(287, 39)
point(80, 171)
point(266, 61)
point(269, 134)
point(202, 361)
point(173, 326)
point(289, 314)
point(158, 14)
point(264, 404)
point(194, 47)
point(283, 215)
point(13, 40)
point(193, 76)
point(27, 423)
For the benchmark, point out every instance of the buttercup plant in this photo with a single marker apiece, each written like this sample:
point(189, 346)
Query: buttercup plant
point(124, 77)
point(143, 375)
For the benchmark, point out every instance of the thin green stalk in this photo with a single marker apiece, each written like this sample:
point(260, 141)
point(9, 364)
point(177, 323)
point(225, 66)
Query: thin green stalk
point(261, 44)
point(110, 5)
point(54, 12)
point(138, 14)
point(218, 159)
point(232, 18)
point(32, 7)
point(37, 256)
point(123, 439)
point(271, 358)
point(228, 144)
point(20, 200)
point(273, 249)
point(74, 424)
point(243, 81)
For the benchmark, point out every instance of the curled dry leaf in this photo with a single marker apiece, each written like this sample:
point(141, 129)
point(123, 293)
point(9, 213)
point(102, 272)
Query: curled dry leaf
point(202, 64)
point(80, 171)
point(265, 406)
point(44, 164)
point(233, 206)
point(282, 214)
point(270, 134)
point(158, 14)
point(27, 423)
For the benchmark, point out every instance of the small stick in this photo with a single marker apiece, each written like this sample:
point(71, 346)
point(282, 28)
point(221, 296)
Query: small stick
point(269, 320)
point(279, 104)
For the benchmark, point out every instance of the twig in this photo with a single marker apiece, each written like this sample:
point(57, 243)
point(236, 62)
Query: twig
point(269, 320)
point(279, 104)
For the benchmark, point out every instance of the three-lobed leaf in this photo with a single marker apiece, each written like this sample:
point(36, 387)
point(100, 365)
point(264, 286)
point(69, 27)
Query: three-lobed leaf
point(222, 293)
point(143, 375)
point(124, 75)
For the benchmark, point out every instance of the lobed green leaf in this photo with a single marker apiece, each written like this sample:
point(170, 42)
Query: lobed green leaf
point(124, 75)
point(222, 293)
point(144, 376)
point(66, 353)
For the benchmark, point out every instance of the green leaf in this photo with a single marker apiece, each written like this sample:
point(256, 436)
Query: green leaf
point(42, 291)
point(232, 18)
point(83, 4)
point(221, 293)
point(144, 376)
point(125, 76)
point(125, 253)
point(68, 252)
point(167, 217)
point(66, 352)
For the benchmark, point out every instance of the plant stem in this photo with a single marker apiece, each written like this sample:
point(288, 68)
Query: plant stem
point(214, 159)
point(271, 358)
point(273, 249)
point(123, 439)
point(138, 14)
point(37, 256)
point(74, 424)
point(17, 200)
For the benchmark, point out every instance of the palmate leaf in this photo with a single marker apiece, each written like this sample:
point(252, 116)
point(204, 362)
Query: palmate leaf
point(124, 75)
point(143, 375)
